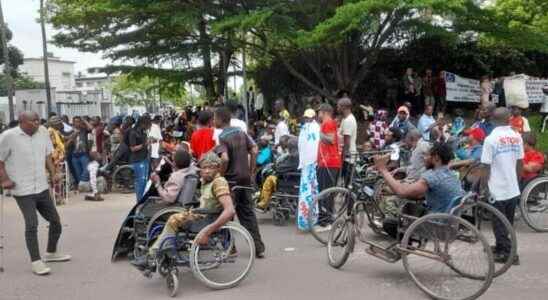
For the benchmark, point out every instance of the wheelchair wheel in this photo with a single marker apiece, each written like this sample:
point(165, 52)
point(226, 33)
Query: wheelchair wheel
point(123, 179)
point(340, 242)
point(226, 260)
point(444, 265)
point(482, 215)
point(534, 204)
point(341, 200)
point(172, 282)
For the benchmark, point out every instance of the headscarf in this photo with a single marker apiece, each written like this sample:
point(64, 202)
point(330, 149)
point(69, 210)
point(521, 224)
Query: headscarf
point(210, 159)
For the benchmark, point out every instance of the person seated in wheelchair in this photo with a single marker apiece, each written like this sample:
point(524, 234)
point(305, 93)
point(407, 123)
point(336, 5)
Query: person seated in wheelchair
point(167, 193)
point(438, 186)
point(283, 168)
point(264, 158)
point(533, 160)
point(470, 154)
point(215, 210)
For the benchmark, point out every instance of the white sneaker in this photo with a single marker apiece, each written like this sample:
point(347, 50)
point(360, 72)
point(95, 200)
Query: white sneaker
point(319, 228)
point(56, 257)
point(40, 268)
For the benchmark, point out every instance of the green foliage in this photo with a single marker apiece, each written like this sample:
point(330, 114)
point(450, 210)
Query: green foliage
point(535, 121)
point(147, 91)
point(21, 82)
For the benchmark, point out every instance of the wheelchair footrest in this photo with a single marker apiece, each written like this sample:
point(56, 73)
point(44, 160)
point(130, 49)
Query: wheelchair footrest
point(388, 255)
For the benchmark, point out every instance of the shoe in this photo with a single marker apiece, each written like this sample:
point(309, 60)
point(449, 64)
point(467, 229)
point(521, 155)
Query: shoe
point(260, 209)
point(494, 250)
point(96, 198)
point(141, 262)
point(56, 257)
point(503, 258)
point(40, 268)
point(260, 255)
point(319, 228)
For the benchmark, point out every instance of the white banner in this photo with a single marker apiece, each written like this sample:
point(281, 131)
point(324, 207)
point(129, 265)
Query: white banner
point(534, 90)
point(460, 89)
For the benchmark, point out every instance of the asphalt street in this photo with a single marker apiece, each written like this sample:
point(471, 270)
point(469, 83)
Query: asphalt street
point(295, 267)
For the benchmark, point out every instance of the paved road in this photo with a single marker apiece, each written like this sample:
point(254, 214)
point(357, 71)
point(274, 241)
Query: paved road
point(90, 228)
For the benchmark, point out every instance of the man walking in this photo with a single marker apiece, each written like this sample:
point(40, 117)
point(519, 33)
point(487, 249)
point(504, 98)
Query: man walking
point(503, 154)
point(238, 153)
point(25, 154)
point(139, 155)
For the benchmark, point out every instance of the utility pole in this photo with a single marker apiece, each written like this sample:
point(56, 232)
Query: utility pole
point(244, 71)
point(45, 50)
point(7, 66)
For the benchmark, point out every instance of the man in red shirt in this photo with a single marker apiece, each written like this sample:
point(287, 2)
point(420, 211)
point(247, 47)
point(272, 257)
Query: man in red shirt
point(329, 163)
point(533, 160)
point(202, 139)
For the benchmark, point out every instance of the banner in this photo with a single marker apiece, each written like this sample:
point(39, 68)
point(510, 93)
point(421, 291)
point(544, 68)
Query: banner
point(460, 89)
point(534, 90)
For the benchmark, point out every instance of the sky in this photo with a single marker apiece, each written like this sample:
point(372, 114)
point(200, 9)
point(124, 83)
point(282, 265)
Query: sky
point(21, 17)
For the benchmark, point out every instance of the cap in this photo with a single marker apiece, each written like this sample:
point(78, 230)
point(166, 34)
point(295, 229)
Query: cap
point(210, 158)
point(309, 113)
point(404, 109)
point(477, 134)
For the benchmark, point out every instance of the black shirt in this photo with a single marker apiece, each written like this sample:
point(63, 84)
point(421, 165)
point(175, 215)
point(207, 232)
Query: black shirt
point(237, 144)
point(81, 144)
point(138, 136)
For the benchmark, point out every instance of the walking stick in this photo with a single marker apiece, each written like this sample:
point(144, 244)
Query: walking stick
point(1, 230)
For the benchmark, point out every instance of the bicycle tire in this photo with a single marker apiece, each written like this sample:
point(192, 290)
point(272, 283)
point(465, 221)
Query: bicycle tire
point(343, 206)
point(524, 204)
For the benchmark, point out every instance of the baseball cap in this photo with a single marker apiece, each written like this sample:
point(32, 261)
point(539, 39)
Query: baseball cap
point(309, 113)
point(477, 134)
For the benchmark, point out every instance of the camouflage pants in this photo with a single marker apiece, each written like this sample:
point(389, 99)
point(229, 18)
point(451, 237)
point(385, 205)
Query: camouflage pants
point(173, 224)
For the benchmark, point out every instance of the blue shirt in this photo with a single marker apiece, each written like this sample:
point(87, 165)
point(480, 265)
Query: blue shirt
point(473, 152)
point(443, 187)
point(424, 125)
point(487, 127)
point(264, 157)
point(458, 126)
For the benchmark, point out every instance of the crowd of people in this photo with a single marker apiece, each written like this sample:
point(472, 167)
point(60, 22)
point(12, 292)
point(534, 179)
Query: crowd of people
point(321, 144)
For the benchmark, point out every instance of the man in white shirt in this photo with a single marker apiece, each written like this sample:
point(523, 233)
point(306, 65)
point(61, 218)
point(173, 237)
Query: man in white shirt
point(155, 136)
point(503, 154)
point(349, 133)
point(281, 130)
point(426, 122)
point(25, 155)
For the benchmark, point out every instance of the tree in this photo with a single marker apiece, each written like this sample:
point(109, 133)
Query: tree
point(170, 39)
point(340, 42)
point(146, 91)
point(21, 82)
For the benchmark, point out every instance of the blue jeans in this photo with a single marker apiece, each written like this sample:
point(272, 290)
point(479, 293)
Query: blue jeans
point(80, 163)
point(140, 173)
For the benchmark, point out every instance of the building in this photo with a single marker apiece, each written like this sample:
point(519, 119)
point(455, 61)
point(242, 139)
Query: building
point(61, 72)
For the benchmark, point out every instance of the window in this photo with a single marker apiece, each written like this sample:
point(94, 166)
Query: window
point(78, 84)
point(66, 74)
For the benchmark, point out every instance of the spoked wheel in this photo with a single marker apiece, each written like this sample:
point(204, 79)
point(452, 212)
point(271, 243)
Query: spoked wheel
point(226, 260)
point(339, 199)
point(534, 204)
point(123, 179)
point(172, 281)
point(484, 216)
point(446, 265)
point(340, 242)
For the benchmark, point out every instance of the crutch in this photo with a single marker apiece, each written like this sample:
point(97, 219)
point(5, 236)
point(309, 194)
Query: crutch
point(1, 230)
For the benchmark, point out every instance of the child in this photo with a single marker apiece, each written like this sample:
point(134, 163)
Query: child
point(93, 168)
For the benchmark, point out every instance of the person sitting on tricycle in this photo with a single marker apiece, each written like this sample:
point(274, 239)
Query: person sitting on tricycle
point(438, 185)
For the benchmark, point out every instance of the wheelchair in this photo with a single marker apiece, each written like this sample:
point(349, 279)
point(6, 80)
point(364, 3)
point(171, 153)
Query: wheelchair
point(223, 263)
point(285, 200)
point(446, 256)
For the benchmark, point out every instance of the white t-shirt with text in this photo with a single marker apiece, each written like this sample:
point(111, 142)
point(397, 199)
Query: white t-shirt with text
point(501, 151)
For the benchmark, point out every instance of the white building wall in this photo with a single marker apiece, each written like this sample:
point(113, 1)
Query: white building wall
point(61, 73)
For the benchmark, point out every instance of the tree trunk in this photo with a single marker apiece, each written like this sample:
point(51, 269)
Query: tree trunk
point(205, 43)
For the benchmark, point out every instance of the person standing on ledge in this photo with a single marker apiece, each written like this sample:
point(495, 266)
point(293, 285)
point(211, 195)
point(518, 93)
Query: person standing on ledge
point(25, 154)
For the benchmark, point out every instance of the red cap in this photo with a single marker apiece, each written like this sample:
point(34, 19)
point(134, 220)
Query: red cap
point(477, 134)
